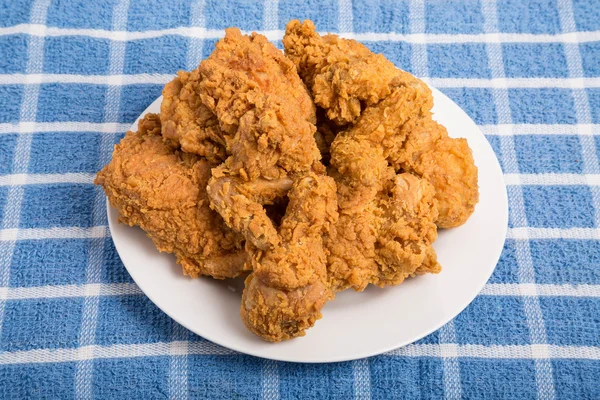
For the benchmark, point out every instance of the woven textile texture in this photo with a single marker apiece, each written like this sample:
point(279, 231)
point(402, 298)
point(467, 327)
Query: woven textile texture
point(74, 74)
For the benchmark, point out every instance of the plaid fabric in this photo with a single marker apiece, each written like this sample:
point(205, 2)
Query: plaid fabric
point(75, 74)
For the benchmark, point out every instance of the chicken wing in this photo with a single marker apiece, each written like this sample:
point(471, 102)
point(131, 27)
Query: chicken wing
point(161, 189)
point(387, 241)
point(343, 75)
point(447, 163)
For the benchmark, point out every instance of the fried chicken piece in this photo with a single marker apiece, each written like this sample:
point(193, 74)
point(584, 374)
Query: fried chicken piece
point(345, 77)
point(260, 101)
point(360, 154)
point(387, 222)
point(386, 225)
point(188, 123)
point(241, 204)
point(161, 189)
point(289, 284)
point(387, 241)
point(447, 163)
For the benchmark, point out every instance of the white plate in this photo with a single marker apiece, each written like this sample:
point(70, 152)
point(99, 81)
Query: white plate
point(354, 325)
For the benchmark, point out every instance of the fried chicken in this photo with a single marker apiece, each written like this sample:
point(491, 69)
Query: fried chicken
point(289, 284)
point(387, 241)
point(267, 113)
point(343, 75)
point(387, 222)
point(231, 177)
point(162, 190)
point(346, 79)
point(261, 103)
point(188, 123)
point(446, 162)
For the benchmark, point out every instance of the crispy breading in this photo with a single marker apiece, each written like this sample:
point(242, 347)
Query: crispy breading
point(260, 101)
point(343, 75)
point(447, 163)
point(289, 284)
point(162, 190)
point(188, 123)
point(346, 79)
point(387, 221)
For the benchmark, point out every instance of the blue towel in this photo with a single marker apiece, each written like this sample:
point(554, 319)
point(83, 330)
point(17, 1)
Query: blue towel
point(72, 322)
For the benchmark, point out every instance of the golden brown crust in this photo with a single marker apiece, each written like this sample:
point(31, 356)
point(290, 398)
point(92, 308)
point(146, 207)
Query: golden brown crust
point(445, 162)
point(262, 103)
point(346, 79)
point(389, 241)
point(242, 125)
point(264, 107)
point(386, 225)
point(188, 123)
point(269, 118)
point(160, 189)
point(343, 75)
point(289, 286)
